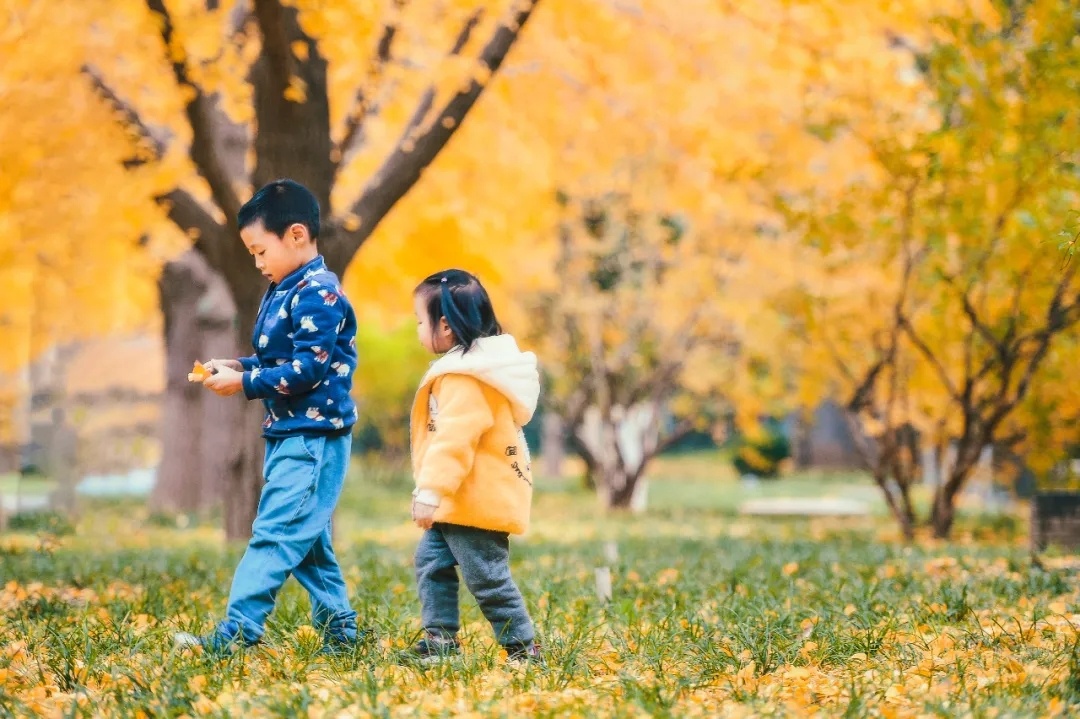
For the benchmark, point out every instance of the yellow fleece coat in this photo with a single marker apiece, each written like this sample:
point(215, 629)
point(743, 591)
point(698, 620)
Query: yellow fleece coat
point(468, 450)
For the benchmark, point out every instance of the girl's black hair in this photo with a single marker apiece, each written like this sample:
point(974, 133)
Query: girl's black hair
point(462, 300)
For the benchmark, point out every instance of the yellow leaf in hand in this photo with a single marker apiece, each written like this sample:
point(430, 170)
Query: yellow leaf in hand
point(198, 373)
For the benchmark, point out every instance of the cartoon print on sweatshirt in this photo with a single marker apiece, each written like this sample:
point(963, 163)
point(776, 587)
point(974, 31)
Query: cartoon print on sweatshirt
point(291, 369)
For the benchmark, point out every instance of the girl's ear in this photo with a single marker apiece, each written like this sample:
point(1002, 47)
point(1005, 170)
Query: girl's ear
point(444, 327)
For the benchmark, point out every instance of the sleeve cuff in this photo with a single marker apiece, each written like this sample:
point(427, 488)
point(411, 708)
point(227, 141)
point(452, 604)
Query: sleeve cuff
point(248, 363)
point(249, 389)
point(427, 496)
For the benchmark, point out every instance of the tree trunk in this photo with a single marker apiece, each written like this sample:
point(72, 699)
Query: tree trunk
point(62, 466)
point(551, 445)
point(907, 506)
point(942, 515)
point(181, 286)
point(293, 139)
point(618, 489)
point(588, 479)
point(943, 512)
point(616, 449)
point(220, 417)
point(244, 484)
point(203, 436)
point(896, 505)
point(244, 480)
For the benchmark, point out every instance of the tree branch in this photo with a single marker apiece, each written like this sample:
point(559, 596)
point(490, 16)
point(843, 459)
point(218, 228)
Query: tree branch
point(182, 208)
point(973, 316)
point(424, 106)
point(684, 428)
point(275, 42)
point(1058, 317)
point(411, 156)
point(198, 114)
point(190, 216)
point(583, 450)
point(362, 106)
point(131, 118)
point(860, 397)
point(682, 343)
point(926, 352)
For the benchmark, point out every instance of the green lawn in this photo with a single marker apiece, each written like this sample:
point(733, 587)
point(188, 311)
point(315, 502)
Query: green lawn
point(713, 614)
point(11, 483)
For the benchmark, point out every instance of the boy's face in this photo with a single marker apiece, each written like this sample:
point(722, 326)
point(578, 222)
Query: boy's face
point(276, 257)
point(435, 339)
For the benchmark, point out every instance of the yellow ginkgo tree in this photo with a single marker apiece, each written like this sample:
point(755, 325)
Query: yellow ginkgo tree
point(634, 343)
point(974, 303)
point(73, 260)
point(354, 100)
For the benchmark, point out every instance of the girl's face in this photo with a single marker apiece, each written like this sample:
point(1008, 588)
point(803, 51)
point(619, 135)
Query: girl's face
point(436, 339)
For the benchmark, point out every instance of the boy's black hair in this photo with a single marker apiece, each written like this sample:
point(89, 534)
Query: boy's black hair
point(462, 300)
point(280, 204)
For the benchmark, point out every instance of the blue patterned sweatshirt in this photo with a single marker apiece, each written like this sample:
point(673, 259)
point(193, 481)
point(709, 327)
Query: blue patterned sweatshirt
point(305, 355)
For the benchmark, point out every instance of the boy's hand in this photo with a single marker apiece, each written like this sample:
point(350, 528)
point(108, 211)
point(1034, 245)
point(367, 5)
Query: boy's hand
point(225, 382)
point(216, 365)
point(423, 514)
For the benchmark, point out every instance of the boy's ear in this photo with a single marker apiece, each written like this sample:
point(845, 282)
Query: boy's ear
point(298, 232)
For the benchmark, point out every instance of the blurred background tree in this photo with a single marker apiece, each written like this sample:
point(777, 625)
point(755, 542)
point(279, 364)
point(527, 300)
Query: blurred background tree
point(941, 259)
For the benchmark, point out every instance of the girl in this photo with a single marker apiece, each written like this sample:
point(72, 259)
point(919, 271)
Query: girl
point(471, 465)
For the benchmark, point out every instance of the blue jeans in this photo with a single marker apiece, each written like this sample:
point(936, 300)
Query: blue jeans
point(291, 535)
point(484, 558)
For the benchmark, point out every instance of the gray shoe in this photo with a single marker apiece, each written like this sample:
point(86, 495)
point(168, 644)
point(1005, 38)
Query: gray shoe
point(524, 654)
point(432, 649)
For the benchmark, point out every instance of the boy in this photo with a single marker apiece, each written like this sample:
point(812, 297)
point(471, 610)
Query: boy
point(305, 354)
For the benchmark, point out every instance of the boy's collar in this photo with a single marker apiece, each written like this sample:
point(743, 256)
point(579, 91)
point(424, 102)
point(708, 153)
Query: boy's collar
point(308, 268)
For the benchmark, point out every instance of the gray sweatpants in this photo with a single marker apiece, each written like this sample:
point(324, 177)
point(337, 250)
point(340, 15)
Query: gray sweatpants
point(484, 558)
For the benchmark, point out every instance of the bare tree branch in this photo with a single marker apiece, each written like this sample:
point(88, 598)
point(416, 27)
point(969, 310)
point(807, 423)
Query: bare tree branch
point(198, 110)
point(860, 397)
point(403, 167)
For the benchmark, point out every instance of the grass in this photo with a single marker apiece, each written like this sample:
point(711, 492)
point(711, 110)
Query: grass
point(712, 614)
point(11, 483)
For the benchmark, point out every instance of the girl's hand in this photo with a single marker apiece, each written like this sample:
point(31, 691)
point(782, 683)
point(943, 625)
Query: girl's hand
point(226, 382)
point(423, 514)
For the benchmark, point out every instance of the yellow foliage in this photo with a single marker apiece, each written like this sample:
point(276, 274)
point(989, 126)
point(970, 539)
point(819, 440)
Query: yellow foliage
point(706, 117)
point(975, 201)
point(70, 215)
